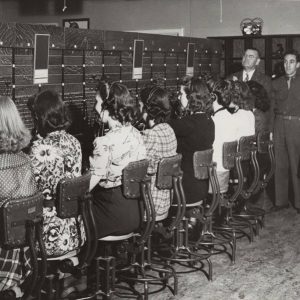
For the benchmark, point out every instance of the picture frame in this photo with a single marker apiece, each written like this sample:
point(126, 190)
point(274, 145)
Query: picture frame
point(81, 23)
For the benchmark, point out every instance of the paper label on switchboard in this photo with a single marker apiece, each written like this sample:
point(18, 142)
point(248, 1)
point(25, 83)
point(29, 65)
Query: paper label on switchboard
point(40, 76)
point(190, 71)
point(137, 73)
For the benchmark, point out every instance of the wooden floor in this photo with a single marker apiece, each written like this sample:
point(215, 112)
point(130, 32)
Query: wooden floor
point(268, 268)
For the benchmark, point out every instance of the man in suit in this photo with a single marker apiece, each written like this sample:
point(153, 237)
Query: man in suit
point(286, 95)
point(250, 62)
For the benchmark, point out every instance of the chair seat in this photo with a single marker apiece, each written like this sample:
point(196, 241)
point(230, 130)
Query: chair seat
point(191, 204)
point(65, 256)
point(162, 217)
point(113, 238)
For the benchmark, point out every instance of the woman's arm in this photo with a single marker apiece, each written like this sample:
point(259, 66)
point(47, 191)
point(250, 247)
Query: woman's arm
point(99, 161)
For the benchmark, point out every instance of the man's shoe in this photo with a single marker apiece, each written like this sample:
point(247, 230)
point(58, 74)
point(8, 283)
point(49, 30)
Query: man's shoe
point(279, 207)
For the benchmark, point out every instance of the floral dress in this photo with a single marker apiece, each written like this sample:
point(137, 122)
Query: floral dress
point(55, 157)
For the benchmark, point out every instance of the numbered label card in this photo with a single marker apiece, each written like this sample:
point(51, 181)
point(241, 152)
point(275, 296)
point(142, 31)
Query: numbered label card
point(41, 58)
point(190, 59)
point(138, 50)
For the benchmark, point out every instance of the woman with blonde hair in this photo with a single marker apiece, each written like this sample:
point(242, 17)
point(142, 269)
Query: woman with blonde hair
point(16, 181)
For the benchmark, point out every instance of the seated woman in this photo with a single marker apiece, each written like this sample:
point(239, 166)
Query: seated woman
point(55, 155)
point(242, 104)
point(16, 181)
point(194, 132)
point(233, 119)
point(121, 145)
point(225, 127)
point(261, 106)
point(160, 141)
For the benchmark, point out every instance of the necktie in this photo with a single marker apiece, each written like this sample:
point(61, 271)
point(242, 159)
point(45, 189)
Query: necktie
point(246, 77)
point(289, 82)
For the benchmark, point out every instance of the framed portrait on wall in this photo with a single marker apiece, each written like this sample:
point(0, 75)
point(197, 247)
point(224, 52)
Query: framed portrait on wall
point(83, 23)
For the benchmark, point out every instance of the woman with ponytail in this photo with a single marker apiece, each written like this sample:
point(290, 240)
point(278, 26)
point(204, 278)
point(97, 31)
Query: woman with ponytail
point(121, 145)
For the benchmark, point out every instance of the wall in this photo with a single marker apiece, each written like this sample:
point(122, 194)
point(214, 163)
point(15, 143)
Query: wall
point(199, 18)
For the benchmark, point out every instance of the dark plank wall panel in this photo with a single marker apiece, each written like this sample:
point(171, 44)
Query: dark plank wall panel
point(86, 55)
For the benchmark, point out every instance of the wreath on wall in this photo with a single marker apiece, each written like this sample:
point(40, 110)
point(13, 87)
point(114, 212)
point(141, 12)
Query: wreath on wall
point(251, 26)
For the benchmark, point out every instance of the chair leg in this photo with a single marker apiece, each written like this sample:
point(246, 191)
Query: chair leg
point(106, 266)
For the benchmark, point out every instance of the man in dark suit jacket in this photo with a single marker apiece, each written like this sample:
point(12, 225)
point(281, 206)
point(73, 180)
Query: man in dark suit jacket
point(250, 62)
point(287, 131)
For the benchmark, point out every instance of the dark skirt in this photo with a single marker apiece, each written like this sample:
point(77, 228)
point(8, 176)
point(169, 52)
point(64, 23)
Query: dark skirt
point(115, 214)
point(194, 189)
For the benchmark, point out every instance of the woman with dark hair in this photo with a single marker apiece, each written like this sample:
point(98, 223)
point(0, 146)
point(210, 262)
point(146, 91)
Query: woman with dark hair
point(160, 142)
point(261, 106)
point(121, 145)
point(225, 127)
point(16, 181)
point(242, 103)
point(194, 132)
point(233, 119)
point(55, 155)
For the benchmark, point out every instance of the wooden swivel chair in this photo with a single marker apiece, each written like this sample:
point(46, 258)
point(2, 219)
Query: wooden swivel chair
point(20, 226)
point(169, 176)
point(72, 200)
point(141, 269)
point(215, 243)
point(251, 174)
point(225, 222)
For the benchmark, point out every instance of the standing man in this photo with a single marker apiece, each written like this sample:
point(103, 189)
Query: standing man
point(287, 131)
point(250, 62)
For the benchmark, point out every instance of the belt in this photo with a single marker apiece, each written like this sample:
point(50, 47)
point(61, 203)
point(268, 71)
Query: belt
point(284, 117)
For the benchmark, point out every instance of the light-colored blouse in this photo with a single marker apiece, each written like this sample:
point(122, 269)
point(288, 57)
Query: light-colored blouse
point(112, 153)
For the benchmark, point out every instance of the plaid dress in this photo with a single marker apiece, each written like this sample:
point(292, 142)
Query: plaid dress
point(16, 181)
point(160, 141)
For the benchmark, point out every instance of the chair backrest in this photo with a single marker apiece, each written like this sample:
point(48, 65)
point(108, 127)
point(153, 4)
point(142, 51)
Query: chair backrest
point(205, 168)
point(133, 174)
point(232, 162)
point(246, 145)
point(229, 154)
point(248, 150)
point(202, 161)
point(69, 193)
point(263, 141)
point(14, 215)
point(266, 157)
point(136, 185)
point(168, 167)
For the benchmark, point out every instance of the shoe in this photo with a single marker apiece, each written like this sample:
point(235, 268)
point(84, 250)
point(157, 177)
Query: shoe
point(279, 207)
point(298, 211)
